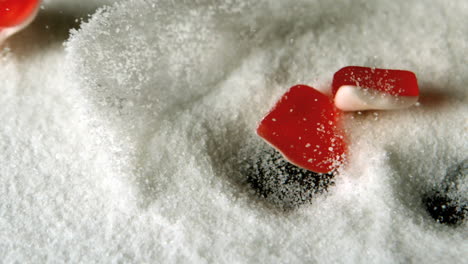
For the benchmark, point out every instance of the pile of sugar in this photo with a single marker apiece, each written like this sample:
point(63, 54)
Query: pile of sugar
point(133, 144)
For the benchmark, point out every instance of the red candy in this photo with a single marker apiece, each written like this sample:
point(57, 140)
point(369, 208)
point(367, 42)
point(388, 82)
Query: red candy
point(361, 88)
point(16, 15)
point(394, 82)
point(303, 127)
point(15, 12)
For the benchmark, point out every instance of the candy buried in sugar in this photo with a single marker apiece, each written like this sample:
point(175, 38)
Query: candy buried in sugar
point(363, 88)
point(16, 15)
point(303, 126)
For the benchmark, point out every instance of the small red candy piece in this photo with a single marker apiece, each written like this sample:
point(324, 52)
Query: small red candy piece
point(361, 88)
point(15, 15)
point(15, 12)
point(303, 126)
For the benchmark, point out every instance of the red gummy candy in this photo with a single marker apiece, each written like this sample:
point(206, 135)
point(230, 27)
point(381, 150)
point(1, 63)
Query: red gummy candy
point(303, 126)
point(361, 88)
point(15, 12)
point(393, 82)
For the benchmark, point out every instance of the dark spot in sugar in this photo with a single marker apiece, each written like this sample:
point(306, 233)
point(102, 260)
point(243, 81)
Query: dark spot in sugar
point(282, 183)
point(445, 210)
point(447, 203)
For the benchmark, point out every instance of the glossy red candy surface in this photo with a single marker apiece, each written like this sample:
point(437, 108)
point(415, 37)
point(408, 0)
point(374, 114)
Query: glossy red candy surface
point(394, 82)
point(15, 12)
point(304, 127)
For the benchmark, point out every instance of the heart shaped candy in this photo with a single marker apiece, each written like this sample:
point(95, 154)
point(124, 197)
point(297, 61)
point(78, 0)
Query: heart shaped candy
point(304, 127)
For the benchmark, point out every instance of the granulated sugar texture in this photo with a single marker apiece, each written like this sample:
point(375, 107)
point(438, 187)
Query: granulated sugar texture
point(136, 142)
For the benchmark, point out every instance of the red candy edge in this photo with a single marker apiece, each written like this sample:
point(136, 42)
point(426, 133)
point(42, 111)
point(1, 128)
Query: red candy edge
point(15, 12)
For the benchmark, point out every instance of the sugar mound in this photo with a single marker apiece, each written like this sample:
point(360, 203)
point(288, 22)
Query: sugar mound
point(132, 147)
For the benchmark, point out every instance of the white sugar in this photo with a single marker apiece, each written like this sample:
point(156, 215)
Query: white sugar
point(136, 142)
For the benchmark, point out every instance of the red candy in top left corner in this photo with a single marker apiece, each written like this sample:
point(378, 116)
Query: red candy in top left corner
point(15, 12)
point(16, 15)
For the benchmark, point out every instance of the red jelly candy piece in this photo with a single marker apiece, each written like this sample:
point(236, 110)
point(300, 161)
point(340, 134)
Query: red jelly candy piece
point(15, 12)
point(361, 88)
point(303, 126)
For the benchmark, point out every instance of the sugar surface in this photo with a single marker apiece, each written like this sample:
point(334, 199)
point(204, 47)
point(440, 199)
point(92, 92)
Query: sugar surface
point(131, 144)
